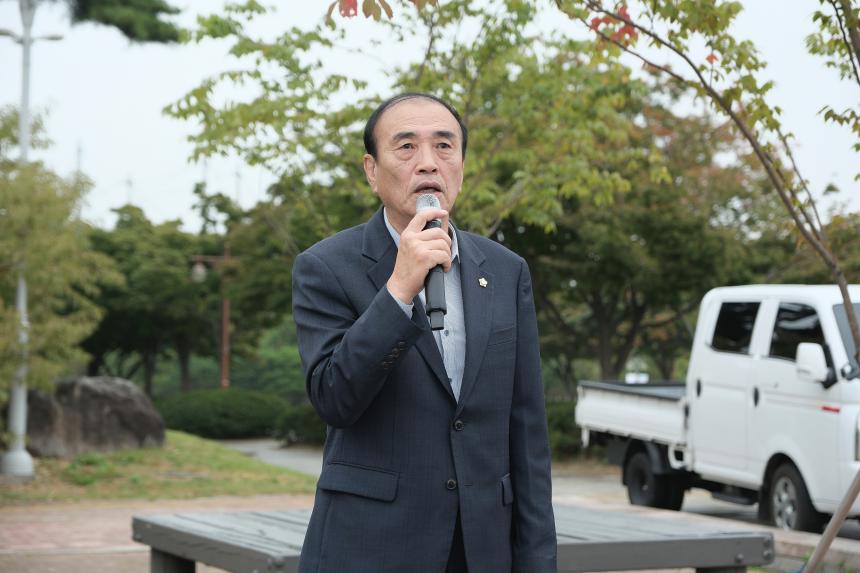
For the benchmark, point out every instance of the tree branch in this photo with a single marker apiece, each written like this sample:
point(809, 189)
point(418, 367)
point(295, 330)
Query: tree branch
point(678, 314)
point(431, 27)
point(555, 315)
point(852, 39)
point(818, 228)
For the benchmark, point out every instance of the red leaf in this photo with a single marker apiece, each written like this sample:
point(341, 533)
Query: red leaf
point(348, 8)
point(712, 57)
point(622, 11)
point(595, 23)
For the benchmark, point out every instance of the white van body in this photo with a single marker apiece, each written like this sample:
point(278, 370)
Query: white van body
point(748, 406)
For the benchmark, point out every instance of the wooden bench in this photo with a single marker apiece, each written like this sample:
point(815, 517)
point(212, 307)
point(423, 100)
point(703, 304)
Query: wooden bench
point(589, 539)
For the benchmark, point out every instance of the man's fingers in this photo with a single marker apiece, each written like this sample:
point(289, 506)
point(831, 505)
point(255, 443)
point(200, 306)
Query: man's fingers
point(434, 234)
point(419, 221)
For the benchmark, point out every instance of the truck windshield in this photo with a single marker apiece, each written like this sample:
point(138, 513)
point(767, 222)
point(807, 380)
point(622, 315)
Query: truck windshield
point(845, 330)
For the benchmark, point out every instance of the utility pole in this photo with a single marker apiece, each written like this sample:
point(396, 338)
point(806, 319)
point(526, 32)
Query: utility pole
point(17, 460)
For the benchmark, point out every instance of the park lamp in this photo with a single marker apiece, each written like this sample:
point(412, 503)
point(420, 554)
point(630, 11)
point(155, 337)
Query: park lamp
point(198, 272)
point(10, 34)
point(18, 39)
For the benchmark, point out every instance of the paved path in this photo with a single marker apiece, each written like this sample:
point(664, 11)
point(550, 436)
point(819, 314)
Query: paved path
point(95, 536)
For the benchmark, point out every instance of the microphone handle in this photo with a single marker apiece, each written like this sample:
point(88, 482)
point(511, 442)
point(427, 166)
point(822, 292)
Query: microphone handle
point(434, 289)
point(434, 293)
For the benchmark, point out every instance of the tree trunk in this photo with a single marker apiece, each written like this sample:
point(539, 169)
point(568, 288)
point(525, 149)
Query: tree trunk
point(665, 364)
point(94, 366)
point(568, 379)
point(148, 360)
point(183, 351)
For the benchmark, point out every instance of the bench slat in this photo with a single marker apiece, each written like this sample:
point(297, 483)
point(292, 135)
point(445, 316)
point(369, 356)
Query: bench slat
point(589, 539)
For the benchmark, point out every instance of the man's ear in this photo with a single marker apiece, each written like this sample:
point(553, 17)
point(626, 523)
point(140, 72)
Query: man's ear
point(370, 170)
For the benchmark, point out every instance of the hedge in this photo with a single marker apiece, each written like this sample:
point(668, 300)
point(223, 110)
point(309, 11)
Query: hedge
point(300, 424)
point(223, 414)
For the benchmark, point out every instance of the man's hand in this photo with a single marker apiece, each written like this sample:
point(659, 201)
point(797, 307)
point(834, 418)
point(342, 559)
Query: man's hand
point(419, 252)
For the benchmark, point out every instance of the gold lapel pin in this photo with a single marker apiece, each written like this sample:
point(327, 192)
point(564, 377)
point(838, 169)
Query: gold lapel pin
point(483, 282)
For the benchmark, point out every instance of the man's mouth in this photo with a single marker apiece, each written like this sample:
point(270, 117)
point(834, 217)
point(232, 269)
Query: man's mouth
point(428, 187)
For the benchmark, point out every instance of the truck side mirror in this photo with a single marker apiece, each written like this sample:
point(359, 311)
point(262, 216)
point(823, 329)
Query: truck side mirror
point(810, 362)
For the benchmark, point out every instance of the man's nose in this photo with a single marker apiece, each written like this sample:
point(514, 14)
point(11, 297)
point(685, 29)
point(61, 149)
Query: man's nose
point(426, 160)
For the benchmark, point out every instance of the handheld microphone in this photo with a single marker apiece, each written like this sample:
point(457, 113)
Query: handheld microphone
point(434, 283)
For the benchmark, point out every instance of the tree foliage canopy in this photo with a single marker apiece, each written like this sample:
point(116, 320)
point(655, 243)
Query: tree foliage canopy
point(138, 20)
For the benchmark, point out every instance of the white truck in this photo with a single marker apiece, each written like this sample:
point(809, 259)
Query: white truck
point(768, 414)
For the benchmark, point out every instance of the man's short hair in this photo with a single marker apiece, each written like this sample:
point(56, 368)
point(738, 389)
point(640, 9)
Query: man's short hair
point(370, 126)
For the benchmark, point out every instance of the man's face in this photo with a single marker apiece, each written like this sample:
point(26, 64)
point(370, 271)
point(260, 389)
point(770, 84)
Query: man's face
point(419, 150)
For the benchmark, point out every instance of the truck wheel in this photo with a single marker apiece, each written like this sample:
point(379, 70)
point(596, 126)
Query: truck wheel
point(644, 487)
point(790, 506)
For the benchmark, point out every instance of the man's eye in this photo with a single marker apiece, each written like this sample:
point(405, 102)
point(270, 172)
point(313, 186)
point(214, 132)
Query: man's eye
point(407, 146)
point(445, 145)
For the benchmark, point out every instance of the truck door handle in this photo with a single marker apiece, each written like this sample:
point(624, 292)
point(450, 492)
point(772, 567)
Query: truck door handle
point(698, 387)
point(755, 396)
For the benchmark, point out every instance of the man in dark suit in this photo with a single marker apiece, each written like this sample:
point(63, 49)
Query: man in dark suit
point(437, 457)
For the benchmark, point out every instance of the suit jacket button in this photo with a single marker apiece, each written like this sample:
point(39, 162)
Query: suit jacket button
point(459, 425)
point(451, 484)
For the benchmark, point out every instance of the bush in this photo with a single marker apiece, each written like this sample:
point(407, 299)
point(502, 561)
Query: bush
point(223, 414)
point(300, 424)
point(564, 434)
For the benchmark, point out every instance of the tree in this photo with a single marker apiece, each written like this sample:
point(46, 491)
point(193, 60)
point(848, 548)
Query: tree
point(40, 227)
point(157, 306)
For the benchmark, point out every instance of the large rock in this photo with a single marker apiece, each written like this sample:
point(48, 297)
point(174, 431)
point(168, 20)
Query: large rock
point(100, 414)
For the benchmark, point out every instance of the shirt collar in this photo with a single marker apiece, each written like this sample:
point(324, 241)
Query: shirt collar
point(455, 249)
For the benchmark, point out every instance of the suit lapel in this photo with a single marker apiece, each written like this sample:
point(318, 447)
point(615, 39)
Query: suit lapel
point(426, 345)
point(477, 310)
point(381, 251)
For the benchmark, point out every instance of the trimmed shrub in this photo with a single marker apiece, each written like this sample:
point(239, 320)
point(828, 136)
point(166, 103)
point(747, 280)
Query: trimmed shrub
point(300, 424)
point(223, 414)
point(564, 434)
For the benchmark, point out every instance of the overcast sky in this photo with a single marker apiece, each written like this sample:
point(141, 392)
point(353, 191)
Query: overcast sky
point(103, 97)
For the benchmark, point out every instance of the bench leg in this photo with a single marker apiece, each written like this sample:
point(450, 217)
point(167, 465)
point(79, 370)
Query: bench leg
point(161, 562)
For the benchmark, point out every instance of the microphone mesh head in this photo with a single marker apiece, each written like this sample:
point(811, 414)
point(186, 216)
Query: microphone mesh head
point(427, 201)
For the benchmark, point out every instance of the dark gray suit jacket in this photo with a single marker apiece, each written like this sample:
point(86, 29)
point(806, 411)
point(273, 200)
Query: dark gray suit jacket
point(402, 456)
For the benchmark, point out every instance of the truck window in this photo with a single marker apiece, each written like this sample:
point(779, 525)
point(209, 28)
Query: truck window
point(795, 323)
point(733, 332)
point(845, 330)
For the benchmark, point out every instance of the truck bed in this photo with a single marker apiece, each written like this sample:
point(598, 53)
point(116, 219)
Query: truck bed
point(652, 412)
point(662, 390)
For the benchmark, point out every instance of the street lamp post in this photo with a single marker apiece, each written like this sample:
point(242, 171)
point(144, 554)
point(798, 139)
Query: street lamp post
point(198, 274)
point(17, 460)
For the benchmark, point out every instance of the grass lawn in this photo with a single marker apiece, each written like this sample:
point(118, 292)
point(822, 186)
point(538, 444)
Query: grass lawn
point(186, 467)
